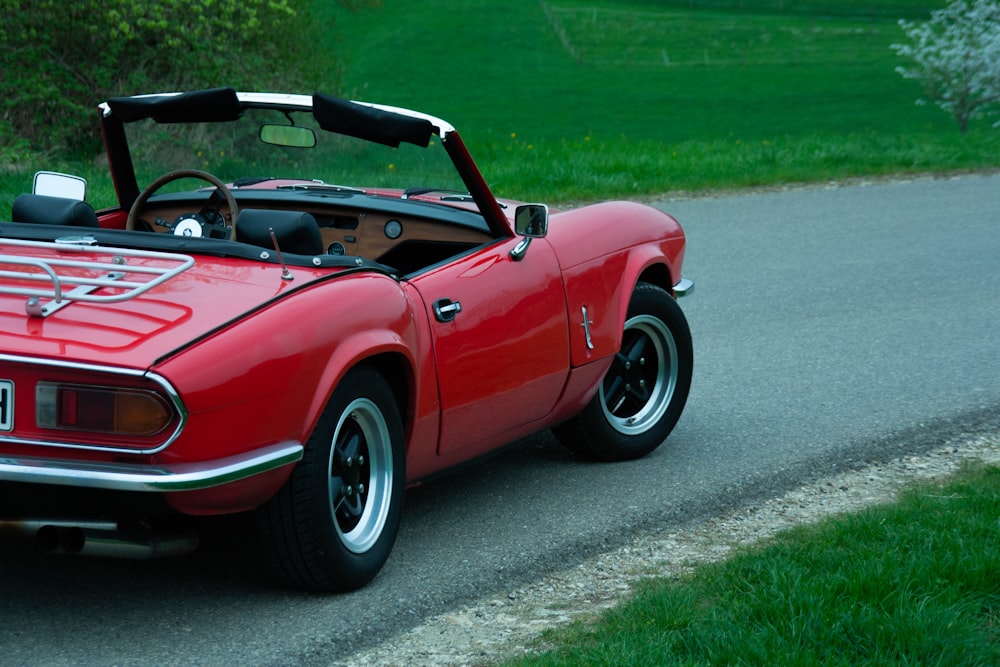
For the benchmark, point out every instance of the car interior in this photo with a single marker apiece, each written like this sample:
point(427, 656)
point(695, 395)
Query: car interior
point(405, 243)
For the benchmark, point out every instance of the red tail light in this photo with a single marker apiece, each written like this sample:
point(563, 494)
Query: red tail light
point(119, 411)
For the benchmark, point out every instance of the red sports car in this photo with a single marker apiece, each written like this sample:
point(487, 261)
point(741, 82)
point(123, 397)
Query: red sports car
point(245, 331)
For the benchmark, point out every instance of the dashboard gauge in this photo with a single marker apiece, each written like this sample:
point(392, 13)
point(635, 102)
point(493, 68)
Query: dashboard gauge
point(187, 227)
point(393, 229)
point(336, 248)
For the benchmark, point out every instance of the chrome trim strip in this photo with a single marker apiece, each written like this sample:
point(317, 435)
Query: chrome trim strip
point(683, 287)
point(586, 328)
point(276, 99)
point(140, 477)
point(171, 393)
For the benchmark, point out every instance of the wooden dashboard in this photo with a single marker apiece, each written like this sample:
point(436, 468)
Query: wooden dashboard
point(383, 237)
point(373, 235)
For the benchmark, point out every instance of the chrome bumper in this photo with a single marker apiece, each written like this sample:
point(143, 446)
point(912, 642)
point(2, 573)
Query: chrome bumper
point(683, 287)
point(156, 478)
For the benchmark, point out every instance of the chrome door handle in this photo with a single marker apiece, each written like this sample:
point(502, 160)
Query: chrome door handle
point(445, 310)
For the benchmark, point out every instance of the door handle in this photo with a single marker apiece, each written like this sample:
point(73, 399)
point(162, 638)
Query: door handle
point(445, 310)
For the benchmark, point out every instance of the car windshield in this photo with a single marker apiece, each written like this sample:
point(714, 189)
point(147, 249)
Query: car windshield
point(234, 152)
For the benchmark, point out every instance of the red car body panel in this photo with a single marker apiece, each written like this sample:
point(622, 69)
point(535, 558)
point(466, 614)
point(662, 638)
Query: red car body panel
point(138, 332)
point(599, 269)
point(495, 362)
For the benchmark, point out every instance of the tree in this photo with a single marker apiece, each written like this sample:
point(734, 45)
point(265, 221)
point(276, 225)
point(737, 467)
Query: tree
point(59, 59)
point(956, 56)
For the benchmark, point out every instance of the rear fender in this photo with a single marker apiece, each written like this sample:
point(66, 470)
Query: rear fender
point(352, 351)
point(399, 360)
point(295, 350)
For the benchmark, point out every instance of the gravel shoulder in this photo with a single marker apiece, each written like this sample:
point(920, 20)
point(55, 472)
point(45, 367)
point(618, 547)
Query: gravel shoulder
point(502, 625)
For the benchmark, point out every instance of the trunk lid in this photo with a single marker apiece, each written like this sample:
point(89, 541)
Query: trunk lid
point(125, 308)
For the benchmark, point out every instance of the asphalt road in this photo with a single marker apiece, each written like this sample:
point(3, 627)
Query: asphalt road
point(831, 326)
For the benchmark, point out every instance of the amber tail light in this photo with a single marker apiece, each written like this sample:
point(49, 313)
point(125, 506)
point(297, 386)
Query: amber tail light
point(116, 410)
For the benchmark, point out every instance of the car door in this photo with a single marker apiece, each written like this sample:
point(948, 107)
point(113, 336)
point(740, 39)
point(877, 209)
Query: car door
point(500, 341)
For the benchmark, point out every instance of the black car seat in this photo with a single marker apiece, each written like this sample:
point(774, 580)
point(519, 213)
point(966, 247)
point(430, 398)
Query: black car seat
point(295, 232)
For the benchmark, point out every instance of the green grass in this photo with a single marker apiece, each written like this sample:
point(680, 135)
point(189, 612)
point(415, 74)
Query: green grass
point(564, 101)
point(614, 99)
point(914, 583)
point(632, 69)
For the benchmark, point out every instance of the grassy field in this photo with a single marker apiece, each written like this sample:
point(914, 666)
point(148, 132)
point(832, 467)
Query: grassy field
point(564, 101)
point(913, 583)
point(639, 71)
point(567, 101)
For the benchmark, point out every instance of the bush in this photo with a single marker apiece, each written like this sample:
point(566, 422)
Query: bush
point(956, 56)
point(59, 59)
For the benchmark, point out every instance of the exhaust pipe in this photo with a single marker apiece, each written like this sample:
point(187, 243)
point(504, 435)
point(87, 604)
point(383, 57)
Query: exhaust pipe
point(99, 538)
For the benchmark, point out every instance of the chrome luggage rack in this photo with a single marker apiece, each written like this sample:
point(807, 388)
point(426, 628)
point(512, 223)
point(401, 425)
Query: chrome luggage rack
point(93, 272)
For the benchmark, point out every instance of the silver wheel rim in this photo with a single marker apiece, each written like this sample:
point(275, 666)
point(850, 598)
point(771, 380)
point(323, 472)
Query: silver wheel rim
point(360, 480)
point(640, 384)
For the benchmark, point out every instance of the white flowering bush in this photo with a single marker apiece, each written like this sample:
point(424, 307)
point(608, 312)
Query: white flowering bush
point(956, 56)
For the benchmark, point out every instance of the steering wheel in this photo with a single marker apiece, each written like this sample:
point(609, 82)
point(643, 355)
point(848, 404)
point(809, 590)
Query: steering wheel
point(209, 219)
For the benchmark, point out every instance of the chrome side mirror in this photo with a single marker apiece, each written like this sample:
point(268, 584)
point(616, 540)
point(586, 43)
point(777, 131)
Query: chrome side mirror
point(531, 220)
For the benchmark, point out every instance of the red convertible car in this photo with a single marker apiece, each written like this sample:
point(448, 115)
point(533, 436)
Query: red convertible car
point(244, 331)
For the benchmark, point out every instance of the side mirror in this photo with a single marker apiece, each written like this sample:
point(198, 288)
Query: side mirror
point(531, 220)
point(54, 184)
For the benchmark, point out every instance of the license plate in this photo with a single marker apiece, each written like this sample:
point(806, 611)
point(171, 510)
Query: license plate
point(6, 405)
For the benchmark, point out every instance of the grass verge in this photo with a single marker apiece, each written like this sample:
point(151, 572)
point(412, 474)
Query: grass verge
point(909, 583)
point(586, 169)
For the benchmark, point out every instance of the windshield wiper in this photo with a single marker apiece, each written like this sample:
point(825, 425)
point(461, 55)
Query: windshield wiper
point(252, 180)
point(325, 187)
point(449, 195)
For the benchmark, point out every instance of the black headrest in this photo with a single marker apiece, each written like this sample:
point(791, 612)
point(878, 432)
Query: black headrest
point(295, 231)
point(53, 211)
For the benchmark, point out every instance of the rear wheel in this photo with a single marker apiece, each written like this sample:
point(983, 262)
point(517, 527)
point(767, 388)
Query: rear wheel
point(643, 393)
point(333, 524)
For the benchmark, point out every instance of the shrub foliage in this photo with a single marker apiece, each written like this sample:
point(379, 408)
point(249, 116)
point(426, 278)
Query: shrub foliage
point(956, 56)
point(58, 59)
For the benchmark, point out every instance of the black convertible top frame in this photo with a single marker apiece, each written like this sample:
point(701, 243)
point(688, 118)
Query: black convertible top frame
point(383, 125)
point(199, 106)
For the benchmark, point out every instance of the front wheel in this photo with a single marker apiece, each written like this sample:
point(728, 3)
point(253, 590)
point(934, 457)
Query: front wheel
point(643, 393)
point(333, 524)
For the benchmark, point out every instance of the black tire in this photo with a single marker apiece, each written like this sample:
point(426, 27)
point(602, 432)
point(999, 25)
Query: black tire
point(332, 525)
point(644, 392)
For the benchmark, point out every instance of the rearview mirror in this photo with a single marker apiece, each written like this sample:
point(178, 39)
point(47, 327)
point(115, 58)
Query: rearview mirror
point(531, 220)
point(294, 136)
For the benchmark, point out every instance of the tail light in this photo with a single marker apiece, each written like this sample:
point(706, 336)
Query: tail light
point(121, 411)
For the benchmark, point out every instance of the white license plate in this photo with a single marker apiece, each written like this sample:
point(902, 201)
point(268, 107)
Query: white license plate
point(6, 405)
